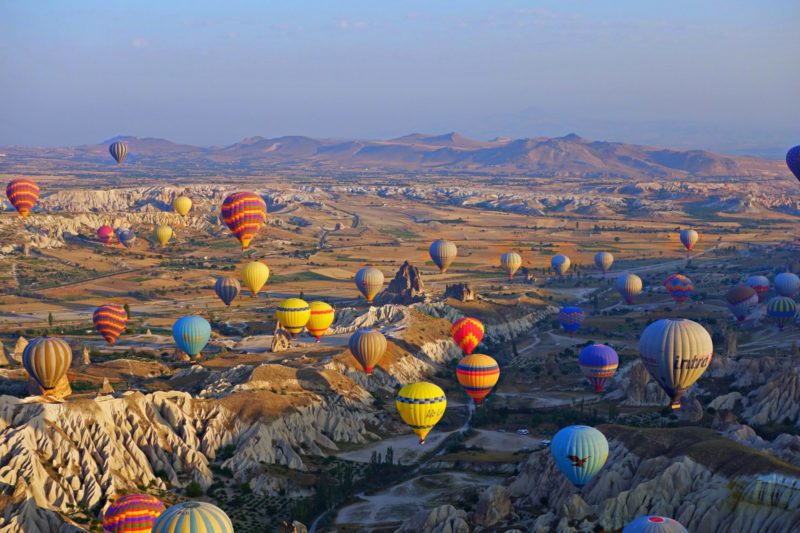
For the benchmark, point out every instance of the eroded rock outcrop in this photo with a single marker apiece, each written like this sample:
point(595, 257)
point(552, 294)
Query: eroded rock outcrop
point(442, 519)
point(405, 288)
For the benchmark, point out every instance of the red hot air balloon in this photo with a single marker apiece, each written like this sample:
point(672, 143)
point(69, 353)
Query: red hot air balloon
point(105, 234)
point(110, 321)
point(23, 194)
point(243, 213)
point(468, 333)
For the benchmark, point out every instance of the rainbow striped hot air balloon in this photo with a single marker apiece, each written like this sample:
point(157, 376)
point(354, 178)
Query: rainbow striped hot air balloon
point(368, 346)
point(421, 405)
point(193, 517)
point(293, 315)
point(679, 287)
point(118, 150)
point(760, 284)
point(477, 373)
point(191, 334)
point(134, 513)
point(369, 280)
point(579, 452)
point(598, 363)
point(243, 213)
point(443, 253)
point(468, 333)
point(782, 310)
point(47, 360)
point(322, 316)
point(654, 524)
point(511, 262)
point(571, 318)
point(560, 263)
point(227, 289)
point(109, 321)
point(23, 195)
point(105, 234)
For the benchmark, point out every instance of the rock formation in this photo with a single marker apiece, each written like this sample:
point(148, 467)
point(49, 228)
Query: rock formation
point(442, 519)
point(463, 292)
point(19, 347)
point(59, 392)
point(527, 275)
point(106, 388)
point(493, 507)
point(405, 288)
point(6, 358)
point(281, 341)
point(293, 527)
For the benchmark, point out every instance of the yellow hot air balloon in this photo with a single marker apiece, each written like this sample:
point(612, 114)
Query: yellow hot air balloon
point(182, 205)
point(322, 316)
point(511, 262)
point(421, 405)
point(293, 315)
point(254, 276)
point(163, 234)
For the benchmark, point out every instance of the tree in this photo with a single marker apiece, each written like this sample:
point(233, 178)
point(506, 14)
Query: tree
point(50, 319)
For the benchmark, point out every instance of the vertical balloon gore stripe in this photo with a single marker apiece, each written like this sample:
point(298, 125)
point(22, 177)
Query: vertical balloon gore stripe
point(23, 195)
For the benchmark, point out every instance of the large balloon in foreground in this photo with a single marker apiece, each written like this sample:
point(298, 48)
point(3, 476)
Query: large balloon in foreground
point(782, 310)
point(571, 318)
point(511, 262)
point(468, 333)
point(193, 517)
point(369, 281)
point(109, 321)
point(243, 213)
point(293, 315)
point(47, 360)
point(628, 286)
point(182, 205)
point(163, 234)
point(227, 289)
point(134, 513)
point(255, 275)
point(741, 301)
point(676, 352)
point(105, 234)
point(598, 363)
point(793, 161)
point(23, 195)
point(760, 284)
point(367, 346)
point(191, 334)
point(679, 287)
point(560, 263)
point(118, 151)
point(443, 253)
point(477, 373)
point(603, 261)
point(322, 316)
point(689, 238)
point(579, 452)
point(787, 283)
point(654, 524)
point(421, 405)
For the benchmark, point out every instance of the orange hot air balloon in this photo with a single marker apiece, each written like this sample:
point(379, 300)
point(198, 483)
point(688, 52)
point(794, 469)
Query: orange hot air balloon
point(477, 373)
point(23, 194)
point(468, 333)
point(243, 213)
point(109, 321)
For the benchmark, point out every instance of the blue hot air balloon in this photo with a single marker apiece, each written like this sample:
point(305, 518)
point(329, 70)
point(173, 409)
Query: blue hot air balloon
point(598, 363)
point(579, 452)
point(571, 318)
point(793, 161)
point(654, 524)
point(782, 310)
point(191, 334)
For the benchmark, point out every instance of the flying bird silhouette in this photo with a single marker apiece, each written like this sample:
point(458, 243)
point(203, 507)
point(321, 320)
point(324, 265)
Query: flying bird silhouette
point(577, 461)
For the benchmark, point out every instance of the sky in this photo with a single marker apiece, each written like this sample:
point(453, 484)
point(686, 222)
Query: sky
point(716, 74)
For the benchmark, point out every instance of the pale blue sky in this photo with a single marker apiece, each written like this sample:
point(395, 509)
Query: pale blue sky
point(720, 74)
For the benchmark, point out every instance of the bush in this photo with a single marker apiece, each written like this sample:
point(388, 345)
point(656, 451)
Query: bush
point(194, 490)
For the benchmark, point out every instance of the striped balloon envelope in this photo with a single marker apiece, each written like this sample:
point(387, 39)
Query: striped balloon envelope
point(689, 238)
point(421, 406)
point(782, 310)
point(598, 363)
point(322, 316)
point(47, 360)
point(628, 286)
point(787, 283)
point(443, 253)
point(741, 301)
point(603, 261)
point(193, 517)
point(560, 263)
point(368, 346)
point(23, 195)
point(134, 513)
point(105, 234)
point(369, 280)
point(227, 289)
point(109, 321)
point(571, 318)
point(760, 284)
point(468, 333)
point(655, 524)
point(293, 315)
point(477, 373)
point(118, 151)
point(243, 213)
point(679, 287)
point(511, 261)
point(579, 452)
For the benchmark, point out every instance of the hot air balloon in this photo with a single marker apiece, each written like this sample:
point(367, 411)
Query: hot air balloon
point(477, 373)
point(126, 237)
point(105, 234)
point(193, 517)
point(227, 289)
point(23, 194)
point(468, 333)
point(118, 151)
point(443, 253)
point(560, 263)
point(654, 524)
point(293, 315)
point(134, 513)
point(741, 300)
point(782, 310)
point(191, 334)
point(109, 321)
point(628, 286)
point(369, 281)
point(421, 405)
point(322, 315)
point(676, 352)
point(47, 360)
point(598, 363)
point(243, 213)
point(603, 261)
point(679, 287)
point(689, 238)
point(760, 284)
point(255, 275)
point(571, 318)
point(787, 284)
point(367, 346)
point(163, 234)
point(511, 262)
point(579, 452)
point(793, 161)
point(182, 205)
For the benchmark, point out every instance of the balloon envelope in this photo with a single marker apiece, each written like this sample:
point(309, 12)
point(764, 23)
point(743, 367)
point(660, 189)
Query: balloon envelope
point(368, 346)
point(477, 373)
point(293, 315)
point(118, 151)
point(421, 405)
point(255, 275)
point(741, 301)
point(163, 234)
point(787, 283)
point(760, 284)
point(369, 280)
point(598, 363)
point(105, 234)
point(191, 334)
point(654, 524)
point(227, 289)
point(23, 195)
point(579, 452)
point(443, 253)
point(571, 318)
point(109, 321)
point(243, 213)
point(182, 205)
point(511, 262)
point(793, 161)
point(467, 332)
point(689, 238)
point(193, 517)
point(560, 263)
point(628, 286)
point(322, 316)
point(134, 513)
point(47, 360)
point(679, 287)
point(603, 261)
point(782, 310)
